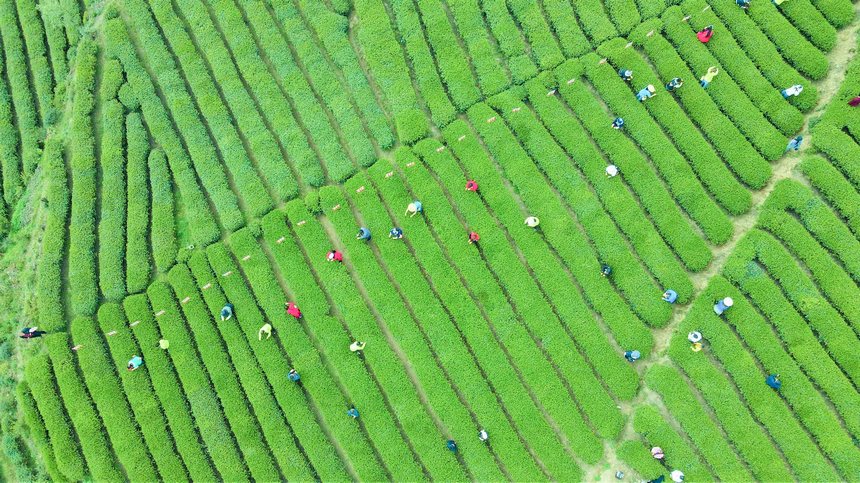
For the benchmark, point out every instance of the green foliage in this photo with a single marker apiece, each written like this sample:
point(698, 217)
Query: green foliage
point(482, 54)
point(411, 126)
point(138, 260)
point(111, 230)
point(50, 271)
point(594, 20)
point(312, 203)
point(163, 227)
point(128, 98)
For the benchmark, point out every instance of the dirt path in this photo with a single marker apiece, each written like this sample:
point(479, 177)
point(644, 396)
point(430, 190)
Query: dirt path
point(783, 168)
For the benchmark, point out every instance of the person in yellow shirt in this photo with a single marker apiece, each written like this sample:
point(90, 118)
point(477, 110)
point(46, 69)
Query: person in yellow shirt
point(709, 76)
point(267, 329)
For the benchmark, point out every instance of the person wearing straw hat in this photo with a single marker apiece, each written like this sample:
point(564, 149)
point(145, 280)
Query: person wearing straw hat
point(657, 453)
point(722, 305)
point(414, 208)
point(647, 92)
point(532, 222)
point(611, 171)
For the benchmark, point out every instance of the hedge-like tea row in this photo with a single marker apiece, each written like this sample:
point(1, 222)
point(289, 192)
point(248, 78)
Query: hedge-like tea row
point(37, 57)
point(335, 96)
point(242, 417)
point(272, 418)
point(240, 108)
point(138, 260)
point(206, 408)
point(734, 389)
point(66, 449)
point(163, 227)
point(785, 295)
point(752, 44)
point(112, 221)
point(216, 122)
point(49, 282)
point(549, 164)
point(724, 91)
point(100, 376)
point(652, 8)
point(624, 14)
point(386, 61)
point(400, 321)
point(655, 199)
point(183, 110)
point(567, 30)
point(449, 55)
point(540, 313)
point(543, 44)
point(57, 49)
point(567, 299)
point(435, 324)
point(810, 22)
point(491, 360)
point(37, 429)
point(10, 163)
point(446, 269)
point(594, 20)
point(504, 307)
point(562, 234)
point(382, 375)
point(703, 432)
point(838, 12)
point(138, 390)
point(786, 42)
point(807, 404)
point(651, 426)
point(489, 67)
point(82, 223)
point(734, 61)
point(202, 225)
point(91, 434)
point(331, 29)
point(320, 339)
point(433, 93)
point(637, 456)
point(189, 439)
point(838, 191)
point(15, 64)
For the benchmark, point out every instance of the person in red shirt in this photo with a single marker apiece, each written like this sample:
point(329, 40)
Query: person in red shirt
point(704, 35)
point(335, 256)
point(293, 310)
point(471, 185)
point(854, 102)
point(474, 237)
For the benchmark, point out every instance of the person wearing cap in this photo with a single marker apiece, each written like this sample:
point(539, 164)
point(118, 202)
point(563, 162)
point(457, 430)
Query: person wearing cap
point(632, 356)
point(163, 344)
point(694, 336)
point(706, 79)
point(451, 445)
point(611, 171)
point(357, 346)
point(471, 185)
point(31, 333)
point(532, 222)
point(618, 123)
point(474, 237)
point(294, 375)
point(670, 296)
point(625, 74)
point(773, 381)
point(483, 436)
point(353, 413)
point(674, 84)
point(414, 208)
point(363, 234)
point(677, 476)
point(657, 453)
point(293, 310)
point(792, 91)
point(395, 233)
point(744, 4)
point(646, 92)
point(226, 312)
point(722, 305)
point(334, 256)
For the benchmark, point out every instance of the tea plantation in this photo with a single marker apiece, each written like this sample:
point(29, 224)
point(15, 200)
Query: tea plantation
point(529, 240)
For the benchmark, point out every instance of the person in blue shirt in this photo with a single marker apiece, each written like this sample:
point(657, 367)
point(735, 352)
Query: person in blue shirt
point(451, 445)
point(744, 4)
point(395, 233)
point(293, 375)
point(625, 74)
point(352, 412)
point(632, 356)
point(773, 381)
point(135, 362)
point(794, 143)
point(363, 234)
point(670, 296)
point(674, 84)
point(227, 312)
point(647, 92)
point(618, 123)
point(414, 208)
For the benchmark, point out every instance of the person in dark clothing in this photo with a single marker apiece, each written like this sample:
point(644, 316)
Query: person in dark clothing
point(618, 123)
point(674, 84)
point(605, 270)
point(451, 445)
point(293, 375)
point(626, 74)
point(854, 102)
point(744, 4)
point(31, 333)
point(363, 234)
